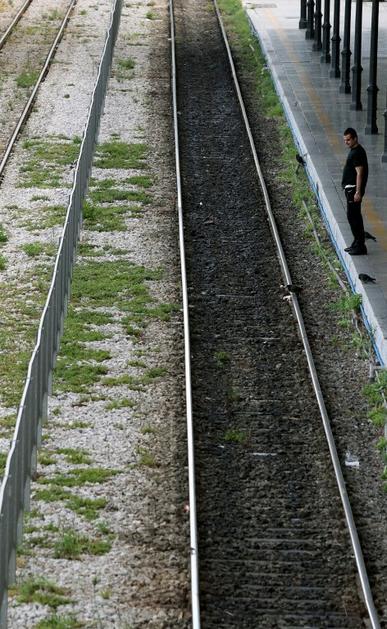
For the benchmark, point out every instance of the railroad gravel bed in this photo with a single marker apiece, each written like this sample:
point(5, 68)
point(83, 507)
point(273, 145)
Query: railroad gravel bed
point(121, 530)
point(20, 65)
point(35, 191)
point(268, 505)
point(8, 10)
point(340, 360)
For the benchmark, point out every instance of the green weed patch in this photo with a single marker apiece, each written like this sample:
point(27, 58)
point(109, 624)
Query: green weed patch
point(56, 621)
point(122, 403)
point(27, 79)
point(3, 235)
point(110, 195)
point(86, 507)
point(52, 494)
point(234, 435)
point(3, 460)
point(101, 284)
point(74, 456)
point(80, 476)
point(42, 591)
point(106, 218)
point(49, 158)
point(116, 154)
point(78, 365)
point(126, 64)
point(71, 545)
point(116, 283)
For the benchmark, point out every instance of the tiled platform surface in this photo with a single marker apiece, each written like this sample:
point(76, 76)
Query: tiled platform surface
point(318, 115)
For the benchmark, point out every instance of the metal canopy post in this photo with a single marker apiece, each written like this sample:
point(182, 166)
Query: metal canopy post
point(309, 34)
point(302, 22)
point(372, 88)
point(357, 68)
point(335, 71)
point(317, 26)
point(326, 43)
point(345, 86)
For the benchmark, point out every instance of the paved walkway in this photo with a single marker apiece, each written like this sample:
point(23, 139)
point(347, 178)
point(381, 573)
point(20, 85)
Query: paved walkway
point(318, 114)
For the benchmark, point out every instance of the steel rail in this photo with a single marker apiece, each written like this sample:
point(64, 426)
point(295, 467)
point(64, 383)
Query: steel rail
point(366, 590)
point(194, 554)
point(31, 100)
point(15, 20)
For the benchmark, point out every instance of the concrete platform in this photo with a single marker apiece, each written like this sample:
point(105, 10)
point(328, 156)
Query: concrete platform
point(318, 114)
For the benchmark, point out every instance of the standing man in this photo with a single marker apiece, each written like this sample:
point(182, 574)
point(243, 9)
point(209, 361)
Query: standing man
point(354, 181)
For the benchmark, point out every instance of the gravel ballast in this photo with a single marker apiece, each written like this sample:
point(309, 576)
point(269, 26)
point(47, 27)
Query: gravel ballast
point(116, 544)
point(106, 543)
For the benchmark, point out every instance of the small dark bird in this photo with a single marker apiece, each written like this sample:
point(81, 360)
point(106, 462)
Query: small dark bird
point(292, 288)
point(300, 160)
point(367, 279)
point(369, 236)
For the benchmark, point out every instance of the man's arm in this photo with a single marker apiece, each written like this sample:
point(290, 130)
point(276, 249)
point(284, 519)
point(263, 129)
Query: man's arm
point(359, 181)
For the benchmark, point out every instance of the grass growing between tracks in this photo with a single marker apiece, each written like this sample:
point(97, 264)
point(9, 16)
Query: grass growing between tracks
point(125, 69)
point(43, 591)
point(59, 622)
point(50, 216)
point(3, 235)
point(65, 543)
point(27, 79)
point(24, 294)
point(376, 393)
point(47, 161)
point(234, 435)
point(109, 291)
point(111, 202)
point(117, 154)
point(98, 285)
point(251, 63)
point(71, 545)
point(45, 166)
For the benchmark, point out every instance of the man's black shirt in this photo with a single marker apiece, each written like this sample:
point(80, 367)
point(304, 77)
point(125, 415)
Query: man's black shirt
point(356, 157)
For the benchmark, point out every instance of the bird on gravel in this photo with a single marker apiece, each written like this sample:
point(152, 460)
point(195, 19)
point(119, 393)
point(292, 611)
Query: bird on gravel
point(367, 279)
point(300, 160)
point(293, 288)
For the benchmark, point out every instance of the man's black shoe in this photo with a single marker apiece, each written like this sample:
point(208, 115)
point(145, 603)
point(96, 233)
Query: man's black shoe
point(352, 246)
point(359, 250)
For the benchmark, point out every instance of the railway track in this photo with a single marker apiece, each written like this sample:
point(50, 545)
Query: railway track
point(24, 66)
point(23, 211)
point(270, 544)
point(15, 19)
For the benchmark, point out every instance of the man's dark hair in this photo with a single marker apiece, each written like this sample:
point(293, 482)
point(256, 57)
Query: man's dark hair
point(351, 132)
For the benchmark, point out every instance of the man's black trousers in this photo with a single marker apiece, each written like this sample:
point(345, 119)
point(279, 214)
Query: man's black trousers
point(355, 221)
